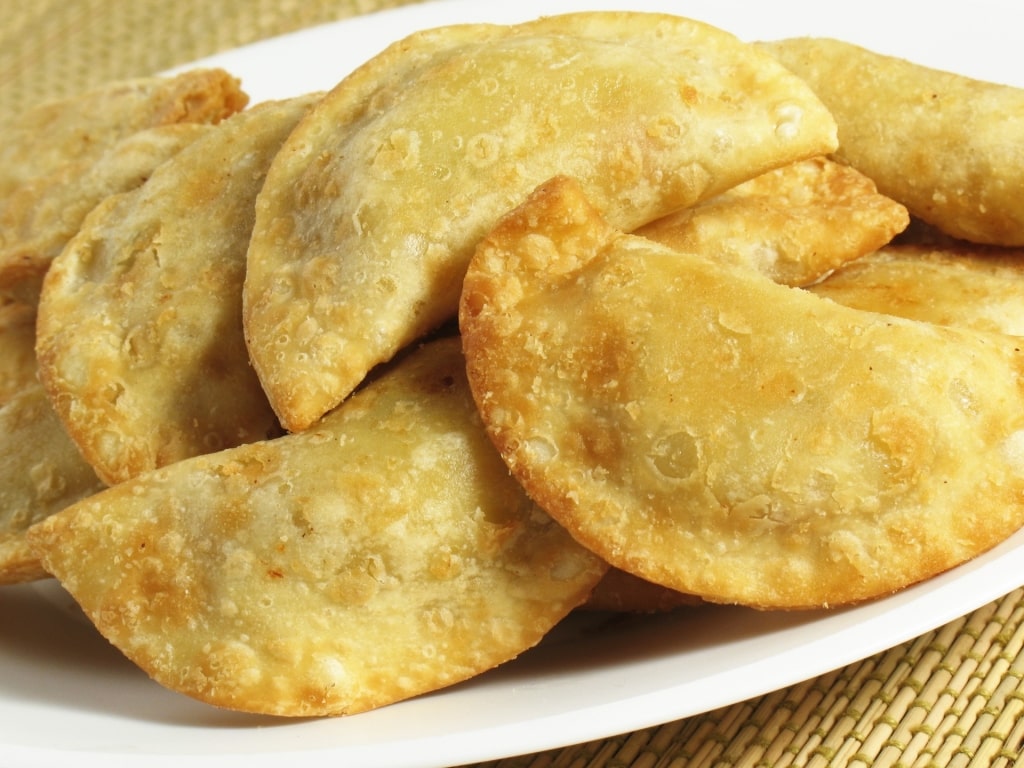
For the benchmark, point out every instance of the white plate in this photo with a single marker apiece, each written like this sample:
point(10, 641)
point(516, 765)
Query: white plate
point(67, 697)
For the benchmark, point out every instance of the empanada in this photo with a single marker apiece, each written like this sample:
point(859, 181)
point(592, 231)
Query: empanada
point(41, 216)
point(17, 348)
point(949, 147)
point(81, 128)
point(372, 209)
point(715, 432)
point(383, 553)
point(41, 472)
point(980, 289)
point(793, 224)
point(140, 341)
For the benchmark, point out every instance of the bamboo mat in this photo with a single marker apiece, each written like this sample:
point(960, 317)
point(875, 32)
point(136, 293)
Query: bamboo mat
point(952, 697)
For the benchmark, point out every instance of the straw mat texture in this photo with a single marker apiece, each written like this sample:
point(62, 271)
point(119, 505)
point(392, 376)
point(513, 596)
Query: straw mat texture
point(49, 48)
point(952, 698)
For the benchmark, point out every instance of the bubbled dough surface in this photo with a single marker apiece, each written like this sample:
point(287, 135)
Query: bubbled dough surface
point(383, 553)
point(927, 137)
point(41, 216)
point(371, 212)
point(710, 430)
point(140, 337)
point(793, 224)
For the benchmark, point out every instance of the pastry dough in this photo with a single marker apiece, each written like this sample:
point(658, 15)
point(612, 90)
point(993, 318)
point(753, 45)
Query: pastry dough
point(82, 127)
point(18, 367)
point(383, 553)
point(963, 286)
point(709, 430)
point(949, 147)
point(372, 209)
point(794, 224)
point(41, 473)
point(140, 340)
point(39, 218)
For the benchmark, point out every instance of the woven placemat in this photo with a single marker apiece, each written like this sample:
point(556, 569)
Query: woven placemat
point(952, 697)
point(50, 48)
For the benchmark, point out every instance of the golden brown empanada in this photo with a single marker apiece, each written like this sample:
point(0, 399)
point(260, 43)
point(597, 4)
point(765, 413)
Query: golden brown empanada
point(715, 432)
point(979, 288)
point(949, 147)
point(82, 127)
point(41, 216)
point(793, 224)
point(41, 472)
point(17, 348)
point(383, 553)
point(372, 209)
point(140, 339)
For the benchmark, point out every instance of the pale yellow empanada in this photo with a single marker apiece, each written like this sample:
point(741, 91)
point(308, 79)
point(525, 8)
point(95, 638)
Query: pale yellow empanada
point(715, 432)
point(383, 553)
point(372, 209)
point(950, 148)
point(39, 217)
point(793, 224)
point(17, 348)
point(980, 289)
point(41, 472)
point(140, 339)
point(82, 127)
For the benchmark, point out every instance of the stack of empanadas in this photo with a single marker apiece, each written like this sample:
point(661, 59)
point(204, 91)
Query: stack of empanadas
point(344, 398)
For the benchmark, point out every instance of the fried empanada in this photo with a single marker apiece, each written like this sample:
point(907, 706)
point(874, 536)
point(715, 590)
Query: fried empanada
point(140, 340)
point(383, 553)
point(950, 148)
point(81, 128)
point(41, 216)
point(707, 429)
point(17, 348)
point(371, 211)
point(976, 289)
point(41, 473)
point(793, 224)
